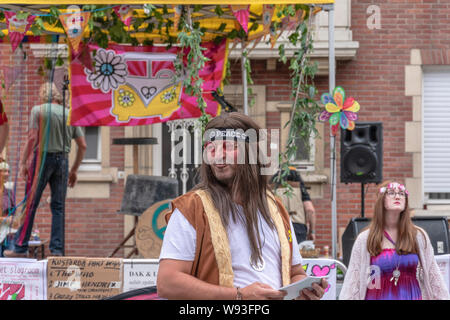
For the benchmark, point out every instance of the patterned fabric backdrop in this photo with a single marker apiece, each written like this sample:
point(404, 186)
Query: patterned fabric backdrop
point(131, 86)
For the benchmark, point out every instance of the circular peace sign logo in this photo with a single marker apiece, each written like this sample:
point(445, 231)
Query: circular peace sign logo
point(150, 229)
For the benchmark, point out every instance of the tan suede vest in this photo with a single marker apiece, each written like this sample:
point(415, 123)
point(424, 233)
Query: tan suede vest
point(212, 262)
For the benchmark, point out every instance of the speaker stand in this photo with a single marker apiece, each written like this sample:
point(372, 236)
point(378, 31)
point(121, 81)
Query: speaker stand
point(362, 199)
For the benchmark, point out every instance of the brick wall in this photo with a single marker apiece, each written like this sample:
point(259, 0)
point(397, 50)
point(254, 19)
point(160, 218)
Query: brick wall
point(376, 79)
point(93, 228)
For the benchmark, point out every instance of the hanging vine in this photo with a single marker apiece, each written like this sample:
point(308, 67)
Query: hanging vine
point(190, 39)
point(105, 26)
point(305, 109)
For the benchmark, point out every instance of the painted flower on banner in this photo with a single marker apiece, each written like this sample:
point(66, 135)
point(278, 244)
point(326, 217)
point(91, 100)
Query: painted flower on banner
point(126, 98)
point(339, 110)
point(110, 71)
point(168, 96)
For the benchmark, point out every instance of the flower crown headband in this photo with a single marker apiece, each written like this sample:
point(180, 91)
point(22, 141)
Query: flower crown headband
point(394, 185)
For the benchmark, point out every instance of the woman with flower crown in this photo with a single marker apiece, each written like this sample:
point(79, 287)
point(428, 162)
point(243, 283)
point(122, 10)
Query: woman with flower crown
point(393, 259)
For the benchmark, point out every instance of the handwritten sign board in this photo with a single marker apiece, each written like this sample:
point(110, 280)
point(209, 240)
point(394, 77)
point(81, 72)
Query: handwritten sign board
point(443, 262)
point(139, 273)
point(320, 268)
point(23, 279)
point(79, 278)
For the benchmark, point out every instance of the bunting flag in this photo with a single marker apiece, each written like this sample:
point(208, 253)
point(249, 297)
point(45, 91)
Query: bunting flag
point(11, 74)
point(242, 13)
point(125, 14)
point(17, 27)
point(273, 36)
point(137, 86)
point(84, 57)
point(177, 10)
point(74, 25)
point(289, 23)
point(268, 10)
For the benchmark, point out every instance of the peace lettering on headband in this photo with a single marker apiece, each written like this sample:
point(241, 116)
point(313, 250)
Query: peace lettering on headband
point(394, 185)
point(223, 134)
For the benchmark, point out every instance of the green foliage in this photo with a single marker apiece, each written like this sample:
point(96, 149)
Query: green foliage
point(105, 27)
point(248, 71)
point(218, 10)
point(190, 39)
point(305, 109)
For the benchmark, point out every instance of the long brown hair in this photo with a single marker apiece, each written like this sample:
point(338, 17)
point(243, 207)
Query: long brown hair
point(407, 231)
point(248, 185)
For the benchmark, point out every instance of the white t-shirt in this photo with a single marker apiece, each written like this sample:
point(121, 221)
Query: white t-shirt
point(180, 241)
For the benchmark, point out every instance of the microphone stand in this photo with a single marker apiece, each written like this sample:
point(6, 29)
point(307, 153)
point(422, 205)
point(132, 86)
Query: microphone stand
point(64, 89)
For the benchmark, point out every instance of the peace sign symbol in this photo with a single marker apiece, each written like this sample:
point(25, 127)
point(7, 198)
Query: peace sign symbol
point(159, 231)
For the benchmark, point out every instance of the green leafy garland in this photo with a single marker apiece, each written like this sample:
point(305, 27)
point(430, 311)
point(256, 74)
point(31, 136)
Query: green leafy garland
point(105, 27)
point(302, 123)
point(190, 37)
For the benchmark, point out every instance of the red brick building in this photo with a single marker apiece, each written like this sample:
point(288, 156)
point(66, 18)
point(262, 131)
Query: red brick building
point(387, 67)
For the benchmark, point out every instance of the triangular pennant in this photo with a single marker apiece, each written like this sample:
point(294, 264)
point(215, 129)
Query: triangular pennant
point(292, 22)
point(11, 74)
point(74, 25)
point(177, 10)
point(84, 57)
point(242, 13)
point(268, 10)
point(125, 13)
point(18, 25)
point(273, 36)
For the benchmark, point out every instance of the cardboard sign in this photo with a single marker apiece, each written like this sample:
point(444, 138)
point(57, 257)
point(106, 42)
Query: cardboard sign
point(150, 229)
point(139, 273)
point(320, 268)
point(443, 262)
point(78, 278)
point(23, 279)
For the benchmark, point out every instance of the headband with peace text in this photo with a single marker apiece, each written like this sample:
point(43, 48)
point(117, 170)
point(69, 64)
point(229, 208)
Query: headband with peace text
point(226, 134)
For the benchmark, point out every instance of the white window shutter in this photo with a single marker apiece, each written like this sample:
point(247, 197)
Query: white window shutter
point(436, 130)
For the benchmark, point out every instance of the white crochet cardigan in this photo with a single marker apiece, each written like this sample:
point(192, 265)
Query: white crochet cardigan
point(357, 277)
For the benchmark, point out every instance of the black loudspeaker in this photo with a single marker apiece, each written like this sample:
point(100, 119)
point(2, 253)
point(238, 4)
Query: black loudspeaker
point(435, 227)
point(437, 230)
point(362, 153)
point(354, 227)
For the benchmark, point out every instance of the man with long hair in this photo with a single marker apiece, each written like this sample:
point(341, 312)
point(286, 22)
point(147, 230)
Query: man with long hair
point(230, 238)
point(49, 139)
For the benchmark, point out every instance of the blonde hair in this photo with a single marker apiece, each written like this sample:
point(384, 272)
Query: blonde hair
point(49, 90)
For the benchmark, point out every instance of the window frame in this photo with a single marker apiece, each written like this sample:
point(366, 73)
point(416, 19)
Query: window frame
point(426, 195)
point(94, 164)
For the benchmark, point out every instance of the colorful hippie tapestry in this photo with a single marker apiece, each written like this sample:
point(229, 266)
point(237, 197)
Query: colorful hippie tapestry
point(138, 85)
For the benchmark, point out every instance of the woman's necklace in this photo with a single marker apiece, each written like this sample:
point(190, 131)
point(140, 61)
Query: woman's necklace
point(396, 273)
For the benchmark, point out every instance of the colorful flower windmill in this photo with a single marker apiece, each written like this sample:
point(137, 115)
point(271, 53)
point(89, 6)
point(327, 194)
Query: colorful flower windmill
point(339, 109)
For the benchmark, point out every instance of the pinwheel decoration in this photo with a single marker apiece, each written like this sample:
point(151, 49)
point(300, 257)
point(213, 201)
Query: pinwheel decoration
point(339, 110)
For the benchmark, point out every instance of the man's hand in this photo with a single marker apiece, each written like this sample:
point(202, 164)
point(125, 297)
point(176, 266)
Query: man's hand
point(72, 179)
point(261, 291)
point(311, 236)
point(315, 294)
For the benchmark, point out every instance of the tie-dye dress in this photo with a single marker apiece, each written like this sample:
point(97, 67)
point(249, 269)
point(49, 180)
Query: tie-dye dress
point(384, 288)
